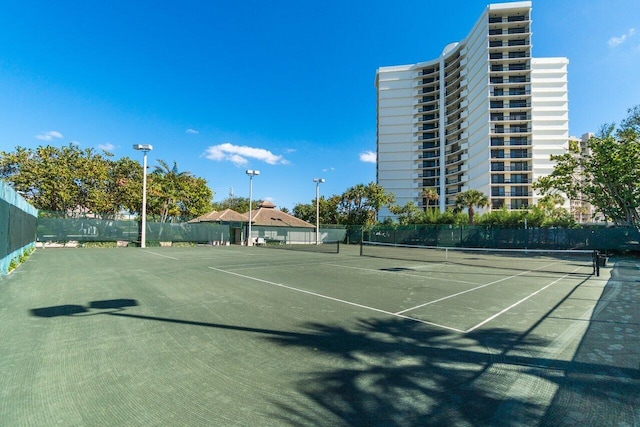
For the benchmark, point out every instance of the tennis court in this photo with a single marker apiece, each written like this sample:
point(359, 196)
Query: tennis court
point(261, 336)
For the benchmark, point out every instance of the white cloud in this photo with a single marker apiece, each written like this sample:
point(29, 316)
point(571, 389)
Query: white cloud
point(193, 131)
point(616, 41)
point(368, 157)
point(48, 136)
point(106, 147)
point(331, 169)
point(238, 154)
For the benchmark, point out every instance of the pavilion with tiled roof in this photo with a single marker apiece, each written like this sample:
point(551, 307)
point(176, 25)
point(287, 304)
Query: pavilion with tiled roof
point(226, 216)
point(267, 215)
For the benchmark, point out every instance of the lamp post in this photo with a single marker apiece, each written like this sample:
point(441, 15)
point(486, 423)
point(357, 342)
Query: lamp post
point(145, 148)
point(318, 181)
point(251, 174)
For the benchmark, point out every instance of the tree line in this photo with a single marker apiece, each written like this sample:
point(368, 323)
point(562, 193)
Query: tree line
point(76, 182)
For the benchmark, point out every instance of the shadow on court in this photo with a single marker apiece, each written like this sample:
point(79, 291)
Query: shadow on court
point(396, 372)
point(405, 374)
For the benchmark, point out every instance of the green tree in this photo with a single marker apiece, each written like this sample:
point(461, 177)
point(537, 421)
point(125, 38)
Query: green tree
point(407, 214)
point(553, 213)
point(469, 200)
point(174, 194)
point(607, 177)
point(238, 204)
point(359, 205)
point(327, 208)
point(65, 179)
point(430, 195)
point(305, 211)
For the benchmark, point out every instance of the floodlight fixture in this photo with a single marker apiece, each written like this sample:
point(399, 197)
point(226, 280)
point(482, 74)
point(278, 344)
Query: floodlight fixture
point(143, 147)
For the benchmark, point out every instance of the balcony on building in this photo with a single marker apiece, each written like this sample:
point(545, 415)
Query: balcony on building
point(501, 166)
point(512, 154)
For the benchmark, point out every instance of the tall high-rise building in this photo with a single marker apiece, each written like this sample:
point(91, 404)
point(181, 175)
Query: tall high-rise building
point(485, 115)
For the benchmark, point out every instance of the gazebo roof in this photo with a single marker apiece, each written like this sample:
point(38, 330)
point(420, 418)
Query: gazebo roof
point(227, 215)
point(268, 215)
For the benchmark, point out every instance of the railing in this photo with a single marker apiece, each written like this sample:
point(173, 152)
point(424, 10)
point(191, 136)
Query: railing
point(511, 194)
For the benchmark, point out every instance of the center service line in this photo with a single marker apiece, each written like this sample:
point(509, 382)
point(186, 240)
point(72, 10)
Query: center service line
point(336, 299)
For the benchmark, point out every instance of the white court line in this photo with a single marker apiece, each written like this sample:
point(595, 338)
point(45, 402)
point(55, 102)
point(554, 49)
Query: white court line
point(474, 289)
point(515, 304)
point(161, 255)
point(336, 299)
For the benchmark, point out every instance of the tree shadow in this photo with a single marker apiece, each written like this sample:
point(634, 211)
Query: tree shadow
point(397, 372)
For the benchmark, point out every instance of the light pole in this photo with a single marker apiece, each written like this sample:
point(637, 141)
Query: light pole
point(145, 148)
point(318, 181)
point(251, 174)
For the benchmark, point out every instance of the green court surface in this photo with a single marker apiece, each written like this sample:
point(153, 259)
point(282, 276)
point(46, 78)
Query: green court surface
point(251, 336)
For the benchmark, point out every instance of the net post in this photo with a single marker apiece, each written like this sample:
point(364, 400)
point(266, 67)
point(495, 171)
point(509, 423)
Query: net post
point(361, 244)
point(596, 262)
point(337, 246)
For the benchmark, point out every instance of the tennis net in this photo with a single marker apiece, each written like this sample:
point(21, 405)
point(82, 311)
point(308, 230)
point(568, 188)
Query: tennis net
point(323, 247)
point(582, 262)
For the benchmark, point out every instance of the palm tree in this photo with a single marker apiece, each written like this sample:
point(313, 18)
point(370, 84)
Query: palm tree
point(431, 195)
point(470, 198)
point(169, 188)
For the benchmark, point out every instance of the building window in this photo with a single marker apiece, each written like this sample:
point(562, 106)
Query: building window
point(518, 54)
point(497, 191)
point(518, 140)
point(517, 79)
point(517, 30)
point(518, 42)
point(519, 154)
point(518, 116)
point(519, 166)
point(520, 178)
point(519, 204)
point(518, 103)
point(517, 67)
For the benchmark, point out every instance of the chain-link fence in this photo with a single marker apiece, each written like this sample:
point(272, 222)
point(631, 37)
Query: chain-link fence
point(598, 238)
point(17, 226)
point(56, 228)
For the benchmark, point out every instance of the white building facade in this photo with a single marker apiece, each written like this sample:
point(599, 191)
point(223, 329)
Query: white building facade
point(485, 115)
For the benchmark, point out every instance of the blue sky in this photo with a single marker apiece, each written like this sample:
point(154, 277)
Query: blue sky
point(285, 87)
